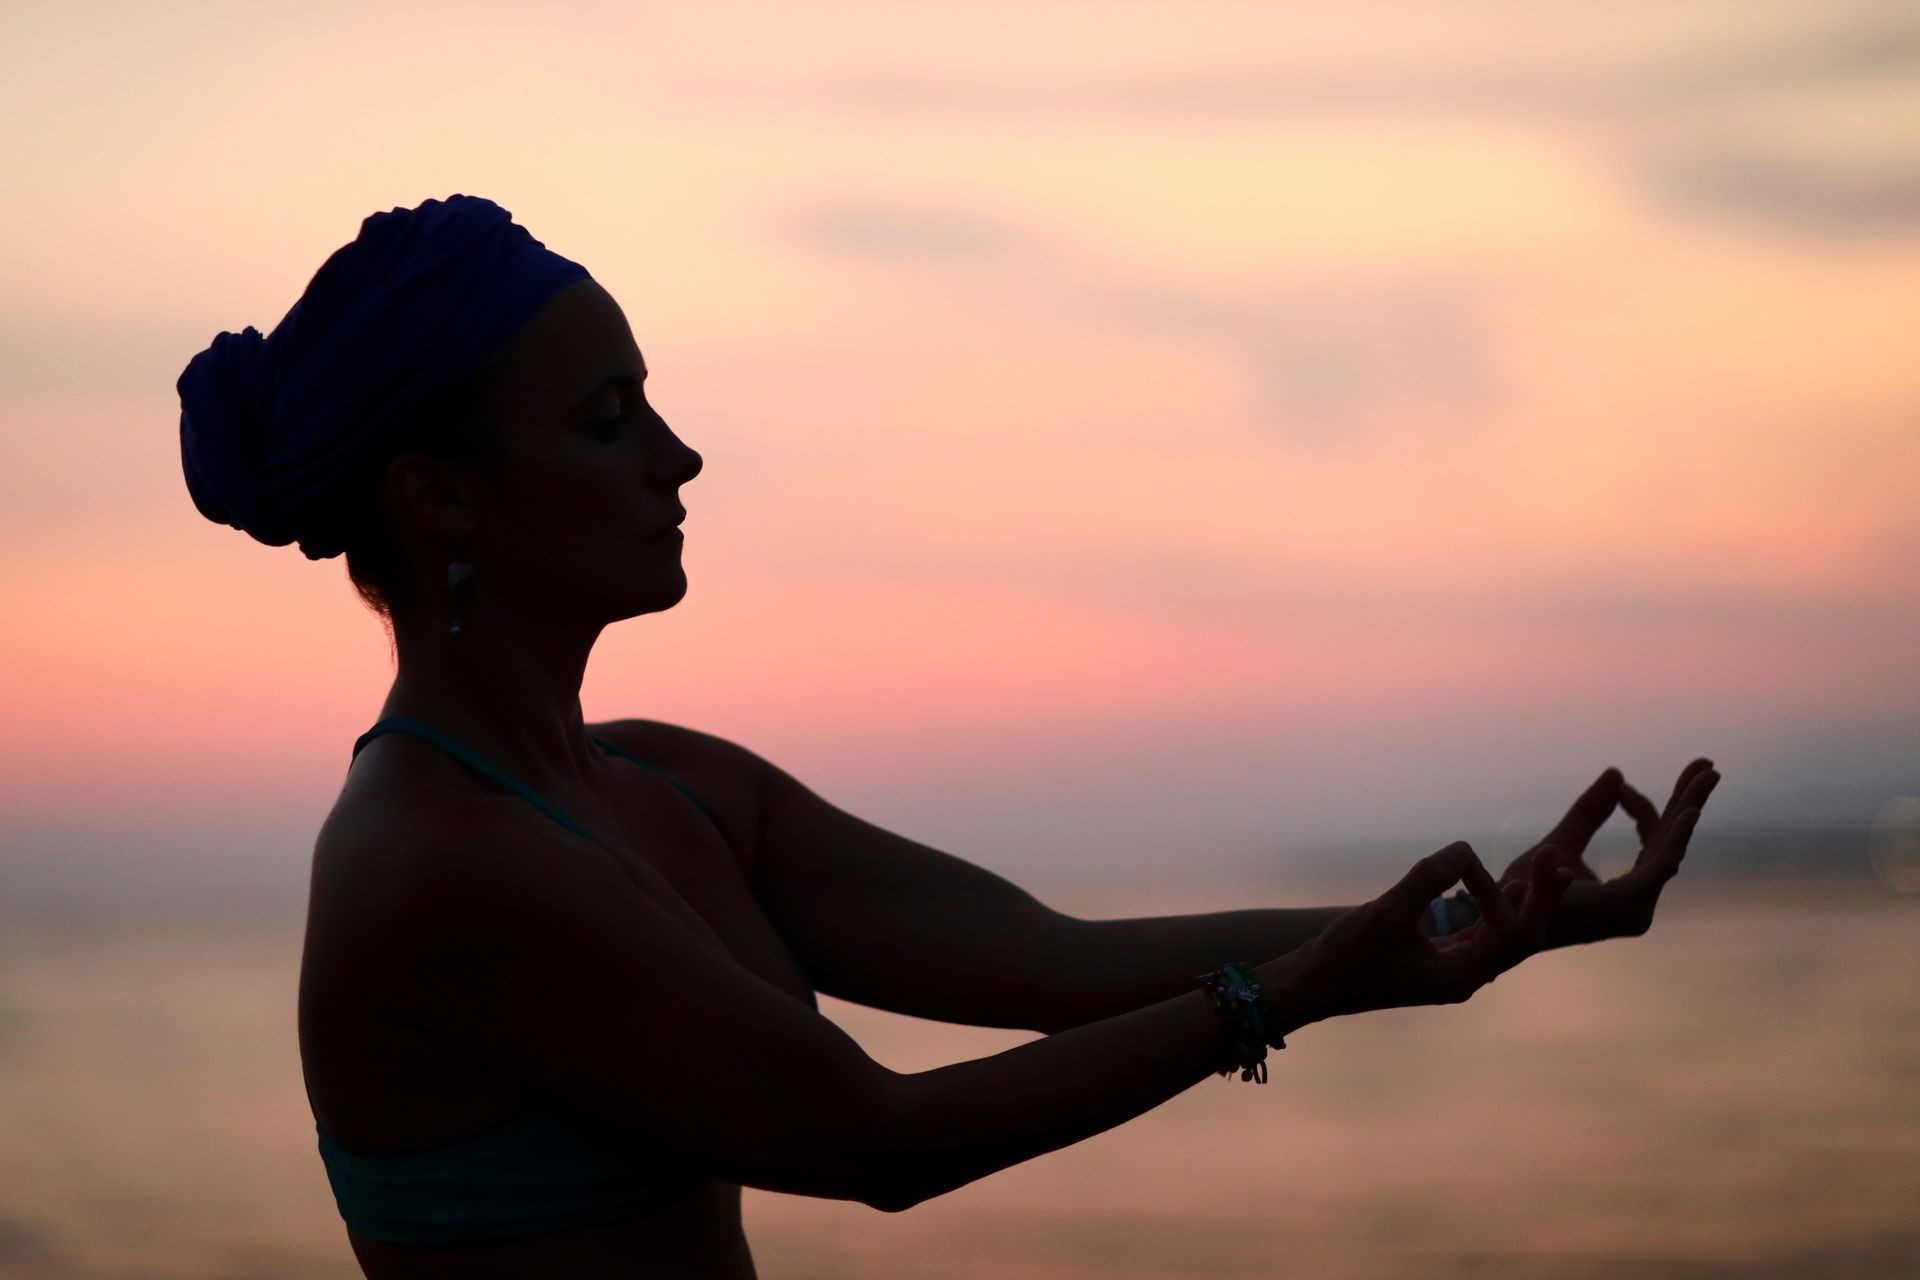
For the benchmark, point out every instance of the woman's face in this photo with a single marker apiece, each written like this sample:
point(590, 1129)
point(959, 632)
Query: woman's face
point(581, 517)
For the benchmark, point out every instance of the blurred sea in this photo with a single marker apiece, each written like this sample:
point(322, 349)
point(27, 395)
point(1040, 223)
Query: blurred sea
point(1737, 1094)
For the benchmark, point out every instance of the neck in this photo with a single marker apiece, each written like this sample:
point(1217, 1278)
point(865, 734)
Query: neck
point(508, 686)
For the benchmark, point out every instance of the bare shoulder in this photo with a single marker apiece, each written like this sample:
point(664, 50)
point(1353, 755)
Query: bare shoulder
point(722, 775)
point(399, 797)
point(373, 846)
point(395, 885)
point(669, 744)
point(405, 813)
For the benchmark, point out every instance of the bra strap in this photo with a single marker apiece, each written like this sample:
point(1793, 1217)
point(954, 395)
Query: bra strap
point(473, 760)
point(488, 769)
point(622, 751)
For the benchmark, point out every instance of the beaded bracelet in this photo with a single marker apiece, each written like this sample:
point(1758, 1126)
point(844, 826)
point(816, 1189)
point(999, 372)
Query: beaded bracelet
point(1245, 1013)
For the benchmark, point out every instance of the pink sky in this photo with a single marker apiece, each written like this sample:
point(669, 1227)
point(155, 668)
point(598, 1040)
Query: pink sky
point(1121, 433)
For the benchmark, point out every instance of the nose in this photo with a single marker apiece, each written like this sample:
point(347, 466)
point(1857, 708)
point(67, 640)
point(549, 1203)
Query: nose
point(679, 462)
point(683, 466)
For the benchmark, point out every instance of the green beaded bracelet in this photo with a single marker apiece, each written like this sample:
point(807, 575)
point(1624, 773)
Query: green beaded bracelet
point(1245, 1013)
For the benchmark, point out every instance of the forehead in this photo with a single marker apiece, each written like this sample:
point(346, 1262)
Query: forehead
point(579, 337)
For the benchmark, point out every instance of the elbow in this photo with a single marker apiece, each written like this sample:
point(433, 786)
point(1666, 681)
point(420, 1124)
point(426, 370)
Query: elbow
point(1055, 1020)
point(1061, 1001)
point(902, 1192)
point(899, 1176)
point(892, 1189)
point(889, 1201)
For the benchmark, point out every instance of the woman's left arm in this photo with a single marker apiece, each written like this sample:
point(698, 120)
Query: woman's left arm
point(882, 920)
point(1117, 965)
point(886, 921)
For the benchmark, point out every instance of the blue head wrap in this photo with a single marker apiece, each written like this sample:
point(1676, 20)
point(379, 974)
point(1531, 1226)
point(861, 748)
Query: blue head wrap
point(277, 431)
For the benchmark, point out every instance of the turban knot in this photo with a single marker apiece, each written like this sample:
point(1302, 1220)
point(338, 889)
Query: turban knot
point(278, 432)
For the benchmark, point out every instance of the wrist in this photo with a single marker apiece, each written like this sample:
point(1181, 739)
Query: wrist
point(1293, 992)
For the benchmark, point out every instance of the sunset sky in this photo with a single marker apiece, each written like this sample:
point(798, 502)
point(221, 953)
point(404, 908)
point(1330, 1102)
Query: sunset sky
point(1134, 434)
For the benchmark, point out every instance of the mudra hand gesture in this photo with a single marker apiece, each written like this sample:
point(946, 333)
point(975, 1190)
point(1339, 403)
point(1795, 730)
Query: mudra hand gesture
point(1375, 956)
point(1591, 908)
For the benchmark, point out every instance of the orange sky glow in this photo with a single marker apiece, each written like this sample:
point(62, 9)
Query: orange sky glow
point(1243, 430)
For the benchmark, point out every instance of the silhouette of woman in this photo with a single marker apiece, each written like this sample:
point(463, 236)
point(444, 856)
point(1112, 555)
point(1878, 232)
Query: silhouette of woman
point(557, 997)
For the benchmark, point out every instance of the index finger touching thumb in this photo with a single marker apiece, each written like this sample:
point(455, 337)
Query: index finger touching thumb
point(1427, 880)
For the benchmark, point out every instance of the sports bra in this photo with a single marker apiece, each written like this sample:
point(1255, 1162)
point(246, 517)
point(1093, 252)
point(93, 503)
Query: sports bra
point(537, 1171)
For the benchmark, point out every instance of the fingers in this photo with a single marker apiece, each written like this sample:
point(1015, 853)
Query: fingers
point(1499, 943)
point(1516, 890)
point(1653, 826)
point(1687, 775)
point(1429, 878)
point(1493, 904)
point(1664, 862)
point(1646, 818)
point(1701, 787)
point(1694, 795)
point(1551, 852)
point(1546, 886)
point(1662, 857)
point(1589, 813)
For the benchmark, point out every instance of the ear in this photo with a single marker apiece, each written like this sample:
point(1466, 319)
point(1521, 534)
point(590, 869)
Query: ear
point(435, 495)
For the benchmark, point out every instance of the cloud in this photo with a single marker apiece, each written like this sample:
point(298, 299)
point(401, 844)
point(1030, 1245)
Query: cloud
point(1787, 193)
point(1627, 109)
point(1275, 587)
point(1649, 87)
point(902, 230)
point(1322, 358)
point(1326, 359)
point(1325, 362)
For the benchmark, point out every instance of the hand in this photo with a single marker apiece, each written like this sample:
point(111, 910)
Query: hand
point(1596, 909)
point(1374, 956)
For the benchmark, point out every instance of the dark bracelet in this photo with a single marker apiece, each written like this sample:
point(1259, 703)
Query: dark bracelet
point(1247, 1018)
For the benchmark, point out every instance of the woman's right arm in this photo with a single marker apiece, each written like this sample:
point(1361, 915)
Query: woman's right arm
point(964, 1121)
point(566, 976)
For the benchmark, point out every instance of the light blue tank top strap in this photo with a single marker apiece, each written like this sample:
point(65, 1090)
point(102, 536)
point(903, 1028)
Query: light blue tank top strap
point(473, 760)
point(645, 764)
point(480, 764)
point(488, 769)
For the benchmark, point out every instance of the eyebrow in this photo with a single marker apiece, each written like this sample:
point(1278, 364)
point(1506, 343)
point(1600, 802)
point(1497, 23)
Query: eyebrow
point(610, 380)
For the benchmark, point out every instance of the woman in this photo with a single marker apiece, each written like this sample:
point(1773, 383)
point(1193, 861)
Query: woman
point(557, 995)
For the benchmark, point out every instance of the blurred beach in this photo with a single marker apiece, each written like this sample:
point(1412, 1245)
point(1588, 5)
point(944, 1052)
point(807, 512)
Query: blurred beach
point(1736, 1094)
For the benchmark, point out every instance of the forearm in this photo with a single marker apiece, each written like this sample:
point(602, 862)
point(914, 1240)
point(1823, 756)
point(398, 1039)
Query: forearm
point(958, 1123)
point(1116, 965)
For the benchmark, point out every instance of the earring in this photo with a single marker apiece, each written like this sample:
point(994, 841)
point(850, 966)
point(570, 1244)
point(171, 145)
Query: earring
point(460, 586)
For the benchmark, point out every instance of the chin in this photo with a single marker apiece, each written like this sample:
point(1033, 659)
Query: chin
point(660, 595)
